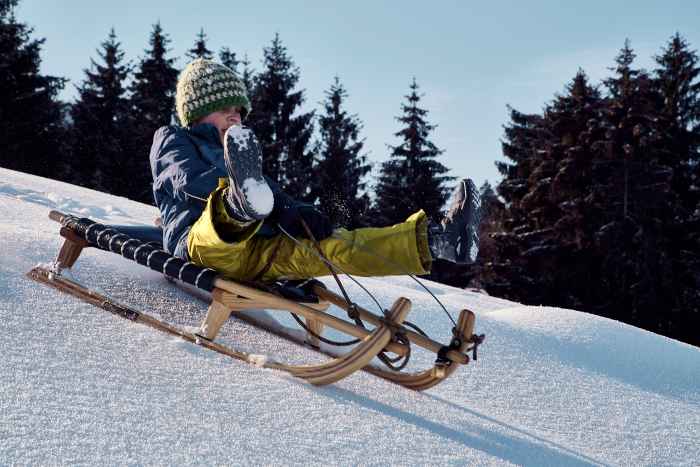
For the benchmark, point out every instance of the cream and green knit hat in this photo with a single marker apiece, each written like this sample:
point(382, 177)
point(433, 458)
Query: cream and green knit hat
point(204, 87)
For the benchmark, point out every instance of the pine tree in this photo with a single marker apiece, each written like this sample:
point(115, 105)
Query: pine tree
point(32, 117)
point(152, 105)
point(153, 88)
point(592, 217)
point(248, 76)
point(100, 131)
point(412, 179)
point(677, 80)
point(228, 58)
point(679, 122)
point(341, 167)
point(200, 50)
point(283, 133)
point(546, 221)
point(633, 184)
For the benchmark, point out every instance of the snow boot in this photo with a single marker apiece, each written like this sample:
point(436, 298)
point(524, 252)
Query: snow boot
point(456, 238)
point(248, 196)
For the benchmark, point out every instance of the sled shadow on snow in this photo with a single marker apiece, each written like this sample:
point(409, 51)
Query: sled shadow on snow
point(515, 448)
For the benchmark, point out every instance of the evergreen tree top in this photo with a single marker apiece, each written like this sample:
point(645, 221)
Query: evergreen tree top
point(412, 168)
point(228, 58)
point(200, 50)
point(248, 75)
point(278, 66)
point(579, 95)
point(338, 128)
point(153, 87)
point(158, 41)
point(677, 76)
point(622, 84)
point(341, 166)
point(107, 81)
point(155, 57)
point(416, 130)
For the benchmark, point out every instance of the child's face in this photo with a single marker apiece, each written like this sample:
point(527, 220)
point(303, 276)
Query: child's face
point(224, 119)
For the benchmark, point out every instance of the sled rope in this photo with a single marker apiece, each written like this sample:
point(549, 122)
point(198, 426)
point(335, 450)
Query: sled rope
point(380, 257)
point(400, 266)
point(354, 314)
point(332, 265)
point(352, 310)
point(382, 356)
point(352, 306)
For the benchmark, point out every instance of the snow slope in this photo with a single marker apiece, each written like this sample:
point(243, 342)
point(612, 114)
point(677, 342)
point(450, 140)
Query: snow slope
point(80, 386)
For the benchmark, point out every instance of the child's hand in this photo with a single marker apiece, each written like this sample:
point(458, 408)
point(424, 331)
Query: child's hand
point(318, 223)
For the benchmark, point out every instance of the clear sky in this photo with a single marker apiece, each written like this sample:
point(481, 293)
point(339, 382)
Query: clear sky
point(471, 59)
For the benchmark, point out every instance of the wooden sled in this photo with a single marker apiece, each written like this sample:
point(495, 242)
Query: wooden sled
point(387, 334)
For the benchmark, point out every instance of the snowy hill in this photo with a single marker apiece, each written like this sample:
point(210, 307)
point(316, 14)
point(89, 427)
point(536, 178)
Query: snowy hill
point(80, 386)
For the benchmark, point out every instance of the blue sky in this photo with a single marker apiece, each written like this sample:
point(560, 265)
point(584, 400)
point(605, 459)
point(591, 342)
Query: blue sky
point(470, 60)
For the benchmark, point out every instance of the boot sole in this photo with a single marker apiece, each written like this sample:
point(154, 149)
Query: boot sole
point(244, 161)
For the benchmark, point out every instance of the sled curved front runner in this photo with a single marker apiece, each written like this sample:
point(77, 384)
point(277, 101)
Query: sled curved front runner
point(387, 334)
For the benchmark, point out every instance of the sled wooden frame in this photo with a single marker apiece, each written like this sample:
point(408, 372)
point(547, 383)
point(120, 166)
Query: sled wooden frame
point(230, 297)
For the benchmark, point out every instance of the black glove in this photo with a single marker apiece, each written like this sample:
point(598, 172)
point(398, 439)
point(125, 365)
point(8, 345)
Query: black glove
point(290, 220)
point(288, 213)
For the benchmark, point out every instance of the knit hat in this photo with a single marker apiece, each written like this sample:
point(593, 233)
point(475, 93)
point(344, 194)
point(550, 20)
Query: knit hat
point(204, 87)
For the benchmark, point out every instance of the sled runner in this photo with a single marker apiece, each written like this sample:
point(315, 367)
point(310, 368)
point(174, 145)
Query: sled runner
point(375, 336)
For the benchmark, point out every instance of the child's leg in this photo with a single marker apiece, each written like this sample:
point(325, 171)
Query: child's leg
point(395, 250)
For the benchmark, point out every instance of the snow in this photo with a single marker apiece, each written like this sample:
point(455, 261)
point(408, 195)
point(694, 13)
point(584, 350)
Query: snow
point(259, 196)
point(240, 135)
point(257, 192)
point(81, 386)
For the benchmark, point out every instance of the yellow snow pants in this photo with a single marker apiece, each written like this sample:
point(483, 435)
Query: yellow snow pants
point(240, 254)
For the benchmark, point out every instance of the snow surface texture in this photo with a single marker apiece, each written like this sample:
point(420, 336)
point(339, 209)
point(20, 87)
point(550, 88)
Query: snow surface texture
point(80, 386)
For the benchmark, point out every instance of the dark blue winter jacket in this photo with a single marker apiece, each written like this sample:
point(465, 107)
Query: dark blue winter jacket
point(186, 165)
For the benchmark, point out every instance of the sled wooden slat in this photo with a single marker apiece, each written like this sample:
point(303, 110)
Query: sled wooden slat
point(67, 286)
point(327, 373)
point(217, 315)
point(412, 336)
point(223, 303)
point(360, 356)
point(429, 378)
point(418, 381)
point(273, 301)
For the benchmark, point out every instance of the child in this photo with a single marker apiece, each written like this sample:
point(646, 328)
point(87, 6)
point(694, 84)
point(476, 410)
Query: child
point(219, 210)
